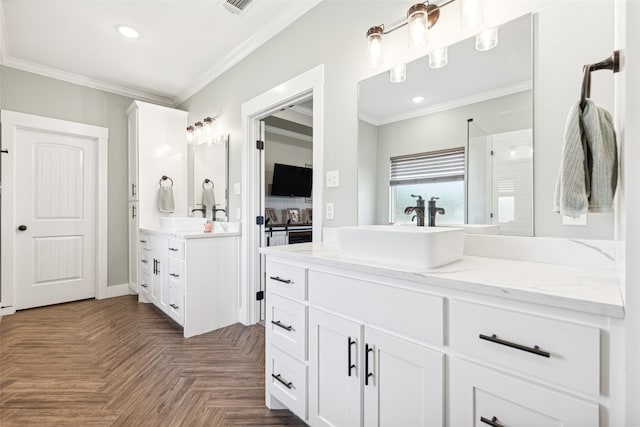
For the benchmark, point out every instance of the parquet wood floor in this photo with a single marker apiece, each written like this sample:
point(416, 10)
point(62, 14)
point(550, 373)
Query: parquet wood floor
point(116, 362)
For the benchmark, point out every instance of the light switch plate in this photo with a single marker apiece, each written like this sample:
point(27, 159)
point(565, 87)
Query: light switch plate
point(236, 188)
point(333, 179)
point(328, 211)
point(579, 220)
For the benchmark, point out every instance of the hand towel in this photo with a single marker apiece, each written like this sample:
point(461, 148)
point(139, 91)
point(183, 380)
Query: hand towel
point(165, 199)
point(208, 197)
point(589, 166)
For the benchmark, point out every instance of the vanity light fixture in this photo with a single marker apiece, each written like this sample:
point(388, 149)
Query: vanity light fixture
point(128, 32)
point(198, 129)
point(190, 136)
point(488, 39)
point(374, 39)
point(398, 74)
point(417, 99)
point(208, 125)
point(439, 58)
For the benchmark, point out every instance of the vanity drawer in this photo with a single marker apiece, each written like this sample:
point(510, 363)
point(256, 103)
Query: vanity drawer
point(479, 394)
point(176, 305)
point(144, 241)
point(144, 259)
point(286, 380)
point(176, 274)
point(145, 284)
point(175, 248)
point(287, 325)
point(288, 280)
point(553, 350)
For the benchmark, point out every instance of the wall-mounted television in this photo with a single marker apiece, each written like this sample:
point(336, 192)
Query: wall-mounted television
point(291, 181)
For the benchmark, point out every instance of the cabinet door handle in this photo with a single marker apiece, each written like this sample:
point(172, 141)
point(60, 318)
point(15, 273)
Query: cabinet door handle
point(278, 279)
point(174, 306)
point(174, 275)
point(133, 189)
point(535, 349)
point(367, 374)
point(350, 365)
point(133, 212)
point(278, 323)
point(492, 422)
point(287, 384)
point(144, 286)
point(173, 249)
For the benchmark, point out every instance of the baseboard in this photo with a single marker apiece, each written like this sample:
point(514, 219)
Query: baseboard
point(118, 290)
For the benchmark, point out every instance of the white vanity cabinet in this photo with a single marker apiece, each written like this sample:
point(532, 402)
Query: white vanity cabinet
point(156, 147)
point(384, 350)
point(194, 281)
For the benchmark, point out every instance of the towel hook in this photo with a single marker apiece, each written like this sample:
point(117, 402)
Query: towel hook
point(611, 63)
point(207, 181)
point(164, 178)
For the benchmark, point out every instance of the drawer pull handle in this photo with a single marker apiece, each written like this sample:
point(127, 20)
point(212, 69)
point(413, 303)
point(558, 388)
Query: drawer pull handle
point(535, 349)
point(144, 261)
point(143, 241)
point(350, 365)
point(144, 286)
point(367, 374)
point(173, 249)
point(278, 279)
point(174, 275)
point(287, 327)
point(492, 422)
point(287, 384)
point(174, 306)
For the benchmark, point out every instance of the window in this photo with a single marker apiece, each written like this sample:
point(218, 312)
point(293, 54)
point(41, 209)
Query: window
point(433, 174)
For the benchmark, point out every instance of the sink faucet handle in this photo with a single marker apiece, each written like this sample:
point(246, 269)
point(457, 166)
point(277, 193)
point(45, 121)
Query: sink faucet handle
point(418, 196)
point(434, 198)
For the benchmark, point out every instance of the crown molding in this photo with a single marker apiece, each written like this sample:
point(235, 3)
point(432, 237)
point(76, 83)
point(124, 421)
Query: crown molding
point(243, 50)
point(454, 103)
point(290, 134)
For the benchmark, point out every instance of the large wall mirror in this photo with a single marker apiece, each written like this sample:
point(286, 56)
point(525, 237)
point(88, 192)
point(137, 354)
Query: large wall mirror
point(209, 170)
point(462, 133)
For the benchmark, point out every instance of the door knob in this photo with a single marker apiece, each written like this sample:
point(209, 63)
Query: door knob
point(22, 227)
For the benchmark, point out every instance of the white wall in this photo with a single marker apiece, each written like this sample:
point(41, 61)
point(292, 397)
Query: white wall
point(367, 171)
point(288, 151)
point(628, 199)
point(333, 34)
point(446, 129)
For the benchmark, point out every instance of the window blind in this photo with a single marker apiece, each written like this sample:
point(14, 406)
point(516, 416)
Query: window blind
point(434, 166)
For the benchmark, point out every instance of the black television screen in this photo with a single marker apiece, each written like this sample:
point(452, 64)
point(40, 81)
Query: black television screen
point(291, 181)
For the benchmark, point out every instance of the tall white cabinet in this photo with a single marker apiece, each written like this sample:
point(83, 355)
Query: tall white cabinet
point(157, 148)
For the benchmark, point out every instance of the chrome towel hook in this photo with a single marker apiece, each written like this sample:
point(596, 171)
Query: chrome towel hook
point(165, 178)
point(207, 181)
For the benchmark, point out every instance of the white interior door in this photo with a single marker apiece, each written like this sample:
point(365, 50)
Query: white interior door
point(55, 217)
point(263, 237)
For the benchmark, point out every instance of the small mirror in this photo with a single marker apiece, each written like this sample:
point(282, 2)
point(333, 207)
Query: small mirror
point(210, 174)
point(460, 132)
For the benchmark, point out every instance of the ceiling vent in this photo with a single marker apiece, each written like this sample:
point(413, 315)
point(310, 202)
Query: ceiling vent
point(236, 6)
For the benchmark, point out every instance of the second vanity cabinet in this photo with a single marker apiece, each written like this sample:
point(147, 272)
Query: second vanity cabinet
point(192, 280)
point(348, 348)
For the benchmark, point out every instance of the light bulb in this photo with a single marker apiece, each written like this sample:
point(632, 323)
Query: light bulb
point(488, 39)
point(208, 125)
point(198, 129)
point(471, 14)
point(398, 74)
point(190, 133)
point(374, 37)
point(417, 20)
point(439, 58)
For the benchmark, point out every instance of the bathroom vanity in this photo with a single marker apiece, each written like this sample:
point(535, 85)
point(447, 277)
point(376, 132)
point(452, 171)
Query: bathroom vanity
point(191, 276)
point(481, 341)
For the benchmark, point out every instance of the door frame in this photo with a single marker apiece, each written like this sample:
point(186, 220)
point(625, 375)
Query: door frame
point(309, 83)
point(11, 122)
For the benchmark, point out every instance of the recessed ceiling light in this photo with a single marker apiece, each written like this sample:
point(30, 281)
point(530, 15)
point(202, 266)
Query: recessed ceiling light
point(128, 32)
point(417, 99)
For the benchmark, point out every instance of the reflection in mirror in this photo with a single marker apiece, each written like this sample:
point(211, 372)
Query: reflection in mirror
point(437, 111)
point(210, 177)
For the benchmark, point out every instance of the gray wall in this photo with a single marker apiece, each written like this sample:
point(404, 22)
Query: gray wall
point(33, 94)
point(333, 34)
point(367, 172)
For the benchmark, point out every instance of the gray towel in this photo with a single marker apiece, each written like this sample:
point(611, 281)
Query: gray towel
point(208, 198)
point(165, 199)
point(589, 167)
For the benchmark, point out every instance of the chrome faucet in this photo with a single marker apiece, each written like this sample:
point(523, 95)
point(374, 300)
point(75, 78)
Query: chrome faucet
point(433, 210)
point(419, 210)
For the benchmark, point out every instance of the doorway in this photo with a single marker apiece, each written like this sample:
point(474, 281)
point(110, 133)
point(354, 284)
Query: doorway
point(304, 87)
point(54, 202)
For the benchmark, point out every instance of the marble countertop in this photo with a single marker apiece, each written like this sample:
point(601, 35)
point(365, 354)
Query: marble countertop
point(189, 234)
point(589, 290)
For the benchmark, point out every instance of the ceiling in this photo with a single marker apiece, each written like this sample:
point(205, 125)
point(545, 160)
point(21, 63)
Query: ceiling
point(470, 76)
point(184, 44)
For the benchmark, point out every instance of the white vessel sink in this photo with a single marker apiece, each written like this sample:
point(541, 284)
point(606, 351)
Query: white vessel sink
point(182, 223)
point(426, 247)
point(476, 228)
